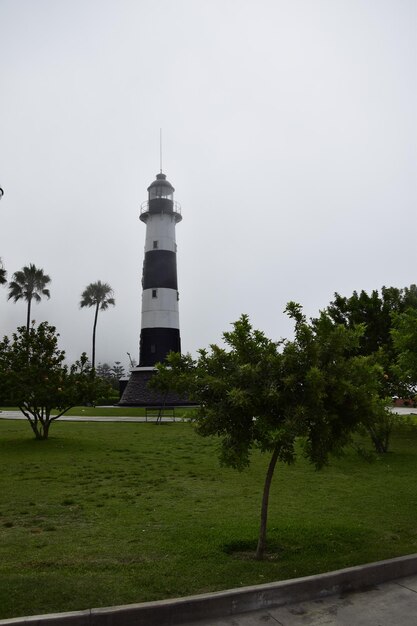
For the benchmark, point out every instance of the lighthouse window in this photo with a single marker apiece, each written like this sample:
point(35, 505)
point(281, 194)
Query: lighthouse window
point(153, 348)
point(161, 192)
point(155, 245)
point(154, 293)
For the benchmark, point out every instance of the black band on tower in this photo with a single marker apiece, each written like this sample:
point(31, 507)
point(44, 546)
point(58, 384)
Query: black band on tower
point(160, 269)
point(156, 343)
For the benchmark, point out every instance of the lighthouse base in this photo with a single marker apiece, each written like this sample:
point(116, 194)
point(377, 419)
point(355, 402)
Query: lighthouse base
point(138, 393)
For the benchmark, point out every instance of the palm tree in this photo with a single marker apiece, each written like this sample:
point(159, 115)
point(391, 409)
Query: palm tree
point(29, 284)
point(3, 274)
point(99, 295)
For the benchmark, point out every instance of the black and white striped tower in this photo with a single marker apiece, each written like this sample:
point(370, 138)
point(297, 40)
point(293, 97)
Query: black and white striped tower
point(160, 327)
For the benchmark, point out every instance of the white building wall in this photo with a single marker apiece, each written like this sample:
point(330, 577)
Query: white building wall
point(162, 311)
point(160, 228)
point(160, 319)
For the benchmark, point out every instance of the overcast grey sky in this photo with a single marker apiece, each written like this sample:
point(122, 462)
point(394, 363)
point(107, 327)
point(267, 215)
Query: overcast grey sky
point(289, 134)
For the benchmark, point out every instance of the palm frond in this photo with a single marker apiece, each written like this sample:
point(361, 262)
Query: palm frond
point(3, 274)
point(29, 283)
point(97, 294)
point(15, 291)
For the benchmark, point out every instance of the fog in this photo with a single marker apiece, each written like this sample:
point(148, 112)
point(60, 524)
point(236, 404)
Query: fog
point(289, 133)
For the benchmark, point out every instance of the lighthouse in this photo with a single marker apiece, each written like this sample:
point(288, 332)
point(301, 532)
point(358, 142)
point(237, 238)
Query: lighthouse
point(160, 326)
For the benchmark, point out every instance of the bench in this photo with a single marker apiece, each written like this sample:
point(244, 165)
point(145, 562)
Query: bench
point(159, 412)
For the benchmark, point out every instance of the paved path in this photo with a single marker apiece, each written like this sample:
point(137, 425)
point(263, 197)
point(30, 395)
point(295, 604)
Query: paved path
point(17, 415)
point(390, 604)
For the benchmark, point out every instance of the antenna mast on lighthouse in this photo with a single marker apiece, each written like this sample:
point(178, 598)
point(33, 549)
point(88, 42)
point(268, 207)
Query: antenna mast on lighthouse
point(160, 150)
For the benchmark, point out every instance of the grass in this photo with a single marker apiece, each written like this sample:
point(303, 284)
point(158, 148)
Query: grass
point(108, 513)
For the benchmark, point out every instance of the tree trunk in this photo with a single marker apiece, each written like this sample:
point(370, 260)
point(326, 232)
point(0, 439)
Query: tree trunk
point(40, 429)
point(28, 315)
point(380, 439)
point(264, 509)
point(34, 427)
point(39, 425)
point(93, 358)
point(45, 429)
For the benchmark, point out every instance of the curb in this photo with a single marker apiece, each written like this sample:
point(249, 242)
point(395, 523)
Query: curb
point(228, 603)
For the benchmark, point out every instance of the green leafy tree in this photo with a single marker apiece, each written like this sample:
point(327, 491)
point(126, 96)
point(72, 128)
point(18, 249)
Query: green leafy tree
point(111, 373)
point(100, 296)
point(256, 393)
point(34, 377)
point(118, 371)
point(3, 274)
point(30, 284)
point(376, 311)
point(404, 335)
point(103, 370)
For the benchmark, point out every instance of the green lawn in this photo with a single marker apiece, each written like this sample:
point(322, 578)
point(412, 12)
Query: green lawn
point(109, 513)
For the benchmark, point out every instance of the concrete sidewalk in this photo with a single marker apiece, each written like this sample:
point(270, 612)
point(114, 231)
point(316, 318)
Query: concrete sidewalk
point(389, 604)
